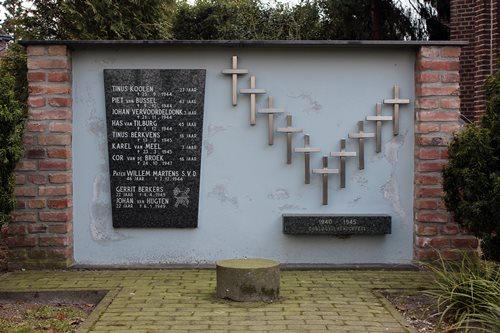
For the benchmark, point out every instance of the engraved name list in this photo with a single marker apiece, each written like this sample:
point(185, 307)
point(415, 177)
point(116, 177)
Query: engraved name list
point(154, 123)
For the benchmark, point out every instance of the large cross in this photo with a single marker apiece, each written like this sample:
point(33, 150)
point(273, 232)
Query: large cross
point(396, 101)
point(307, 150)
point(361, 136)
point(325, 172)
point(289, 130)
point(252, 91)
point(234, 72)
point(342, 154)
point(270, 111)
point(379, 118)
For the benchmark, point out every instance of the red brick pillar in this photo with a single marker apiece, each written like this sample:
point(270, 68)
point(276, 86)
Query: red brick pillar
point(41, 233)
point(437, 109)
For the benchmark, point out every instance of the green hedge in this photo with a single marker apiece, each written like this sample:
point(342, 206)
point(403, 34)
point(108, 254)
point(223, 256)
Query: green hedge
point(12, 116)
point(472, 177)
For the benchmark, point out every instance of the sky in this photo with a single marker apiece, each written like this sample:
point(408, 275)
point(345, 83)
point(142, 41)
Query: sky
point(291, 2)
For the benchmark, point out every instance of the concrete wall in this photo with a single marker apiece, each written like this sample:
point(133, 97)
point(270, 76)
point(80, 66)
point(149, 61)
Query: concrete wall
point(246, 184)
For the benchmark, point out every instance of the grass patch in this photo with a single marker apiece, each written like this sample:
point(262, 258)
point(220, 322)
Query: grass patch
point(35, 318)
point(46, 311)
point(468, 293)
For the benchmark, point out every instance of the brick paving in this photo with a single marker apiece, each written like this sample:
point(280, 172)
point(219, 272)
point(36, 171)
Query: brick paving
point(147, 301)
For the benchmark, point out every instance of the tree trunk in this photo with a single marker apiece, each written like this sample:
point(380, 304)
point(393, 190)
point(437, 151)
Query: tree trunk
point(376, 19)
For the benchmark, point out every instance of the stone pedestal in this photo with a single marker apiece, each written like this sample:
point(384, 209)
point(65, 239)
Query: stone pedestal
point(247, 280)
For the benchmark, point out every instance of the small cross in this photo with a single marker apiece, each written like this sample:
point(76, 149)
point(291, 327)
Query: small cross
point(270, 111)
point(234, 72)
point(252, 91)
point(289, 130)
point(325, 172)
point(342, 154)
point(361, 135)
point(396, 101)
point(379, 118)
point(307, 150)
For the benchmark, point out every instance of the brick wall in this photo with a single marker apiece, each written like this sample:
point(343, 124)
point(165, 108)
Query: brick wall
point(476, 21)
point(3, 48)
point(437, 112)
point(41, 232)
point(3, 253)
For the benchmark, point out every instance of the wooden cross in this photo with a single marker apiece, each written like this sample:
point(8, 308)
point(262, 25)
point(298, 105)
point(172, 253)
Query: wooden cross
point(270, 111)
point(252, 91)
point(396, 101)
point(342, 154)
point(234, 72)
point(289, 130)
point(307, 150)
point(325, 172)
point(361, 135)
point(379, 118)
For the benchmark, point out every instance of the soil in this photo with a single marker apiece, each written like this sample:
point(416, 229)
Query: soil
point(419, 309)
point(46, 318)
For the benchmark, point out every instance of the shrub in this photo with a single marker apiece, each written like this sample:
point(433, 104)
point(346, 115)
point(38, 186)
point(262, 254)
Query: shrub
point(471, 180)
point(12, 114)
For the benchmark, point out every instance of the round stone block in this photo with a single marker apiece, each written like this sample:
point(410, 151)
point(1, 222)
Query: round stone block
point(248, 280)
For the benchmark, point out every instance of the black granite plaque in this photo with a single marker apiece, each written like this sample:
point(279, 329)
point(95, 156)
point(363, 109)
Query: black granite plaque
point(154, 122)
point(318, 224)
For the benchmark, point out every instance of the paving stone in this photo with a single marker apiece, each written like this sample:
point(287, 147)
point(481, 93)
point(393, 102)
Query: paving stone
point(183, 300)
